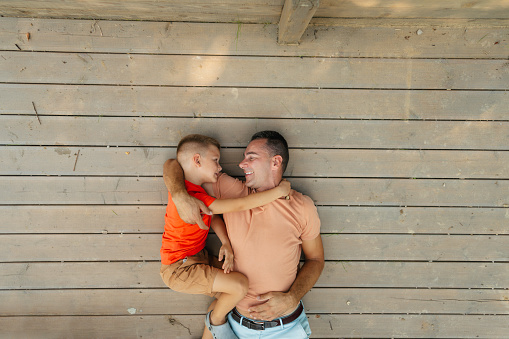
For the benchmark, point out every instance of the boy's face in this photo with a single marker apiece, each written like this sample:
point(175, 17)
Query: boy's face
point(210, 164)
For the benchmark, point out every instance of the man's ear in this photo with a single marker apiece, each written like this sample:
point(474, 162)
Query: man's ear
point(197, 159)
point(277, 161)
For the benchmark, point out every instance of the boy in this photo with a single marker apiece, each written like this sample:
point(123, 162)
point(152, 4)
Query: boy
point(185, 264)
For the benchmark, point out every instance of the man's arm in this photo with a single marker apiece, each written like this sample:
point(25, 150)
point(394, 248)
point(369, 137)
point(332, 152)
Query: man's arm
point(188, 207)
point(280, 303)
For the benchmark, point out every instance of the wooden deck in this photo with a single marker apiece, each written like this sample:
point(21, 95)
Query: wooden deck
point(398, 129)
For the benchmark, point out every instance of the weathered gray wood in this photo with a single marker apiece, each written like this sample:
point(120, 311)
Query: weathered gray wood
point(146, 190)
point(295, 18)
point(23, 160)
point(115, 131)
point(167, 10)
point(322, 326)
point(323, 300)
point(345, 247)
point(80, 275)
point(33, 160)
point(413, 9)
point(254, 11)
point(253, 102)
point(334, 219)
point(329, 38)
point(181, 70)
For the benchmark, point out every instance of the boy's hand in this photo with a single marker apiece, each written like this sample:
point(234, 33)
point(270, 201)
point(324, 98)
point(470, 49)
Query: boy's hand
point(284, 187)
point(189, 209)
point(226, 252)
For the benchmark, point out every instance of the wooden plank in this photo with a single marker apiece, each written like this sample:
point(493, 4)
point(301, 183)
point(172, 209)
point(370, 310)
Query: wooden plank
point(196, 10)
point(181, 70)
point(294, 20)
point(254, 11)
point(147, 161)
point(414, 9)
point(336, 274)
point(324, 37)
point(151, 191)
point(322, 326)
point(413, 220)
point(114, 219)
point(253, 102)
point(319, 300)
point(345, 247)
point(114, 131)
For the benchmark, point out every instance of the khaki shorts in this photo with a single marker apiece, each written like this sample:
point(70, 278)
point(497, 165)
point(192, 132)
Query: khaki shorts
point(194, 274)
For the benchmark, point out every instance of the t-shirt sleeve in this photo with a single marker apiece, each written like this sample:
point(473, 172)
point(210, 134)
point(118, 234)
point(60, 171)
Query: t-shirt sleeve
point(207, 199)
point(227, 187)
point(311, 227)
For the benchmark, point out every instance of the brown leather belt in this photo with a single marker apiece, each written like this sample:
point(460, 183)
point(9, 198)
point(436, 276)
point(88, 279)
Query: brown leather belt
point(262, 325)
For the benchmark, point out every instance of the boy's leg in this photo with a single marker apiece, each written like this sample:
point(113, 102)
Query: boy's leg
point(233, 287)
point(206, 332)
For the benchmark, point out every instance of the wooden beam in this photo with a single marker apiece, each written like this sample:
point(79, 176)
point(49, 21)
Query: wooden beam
point(295, 18)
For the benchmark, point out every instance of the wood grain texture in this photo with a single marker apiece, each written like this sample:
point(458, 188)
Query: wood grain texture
point(254, 11)
point(340, 163)
point(320, 300)
point(115, 219)
point(345, 247)
point(114, 131)
point(323, 326)
point(414, 9)
point(150, 191)
point(288, 103)
point(328, 38)
point(166, 10)
point(181, 70)
point(336, 274)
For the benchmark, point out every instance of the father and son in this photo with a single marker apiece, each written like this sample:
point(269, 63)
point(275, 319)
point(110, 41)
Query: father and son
point(259, 286)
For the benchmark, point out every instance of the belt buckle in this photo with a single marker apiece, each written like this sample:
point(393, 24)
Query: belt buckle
point(259, 326)
point(253, 325)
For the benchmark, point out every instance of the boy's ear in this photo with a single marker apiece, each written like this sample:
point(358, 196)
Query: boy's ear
point(197, 160)
point(277, 161)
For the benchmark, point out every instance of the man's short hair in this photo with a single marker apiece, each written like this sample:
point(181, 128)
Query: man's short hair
point(276, 145)
point(196, 142)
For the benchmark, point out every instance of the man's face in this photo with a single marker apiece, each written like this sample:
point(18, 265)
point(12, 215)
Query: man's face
point(210, 164)
point(257, 165)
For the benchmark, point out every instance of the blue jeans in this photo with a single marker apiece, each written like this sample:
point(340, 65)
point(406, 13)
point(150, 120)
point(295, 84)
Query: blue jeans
point(297, 329)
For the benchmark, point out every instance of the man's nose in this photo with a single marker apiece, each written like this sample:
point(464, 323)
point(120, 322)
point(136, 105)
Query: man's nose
point(242, 164)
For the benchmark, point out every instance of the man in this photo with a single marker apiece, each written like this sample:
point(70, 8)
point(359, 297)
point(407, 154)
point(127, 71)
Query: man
point(267, 241)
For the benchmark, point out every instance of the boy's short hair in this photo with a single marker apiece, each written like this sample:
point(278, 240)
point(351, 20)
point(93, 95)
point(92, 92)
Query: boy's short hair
point(276, 145)
point(196, 142)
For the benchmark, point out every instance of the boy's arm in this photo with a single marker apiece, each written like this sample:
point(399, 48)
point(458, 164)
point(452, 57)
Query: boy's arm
point(217, 224)
point(220, 206)
point(188, 207)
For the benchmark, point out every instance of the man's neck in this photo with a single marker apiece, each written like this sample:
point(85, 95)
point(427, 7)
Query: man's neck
point(269, 185)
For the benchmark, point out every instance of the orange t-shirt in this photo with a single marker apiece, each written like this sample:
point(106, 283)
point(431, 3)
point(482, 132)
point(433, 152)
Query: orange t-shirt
point(181, 239)
point(267, 240)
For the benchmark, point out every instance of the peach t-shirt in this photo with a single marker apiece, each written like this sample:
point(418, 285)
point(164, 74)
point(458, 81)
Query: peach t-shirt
point(267, 240)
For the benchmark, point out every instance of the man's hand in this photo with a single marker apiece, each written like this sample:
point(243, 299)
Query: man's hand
point(278, 305)
point(189, 209)
point(226, 252)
